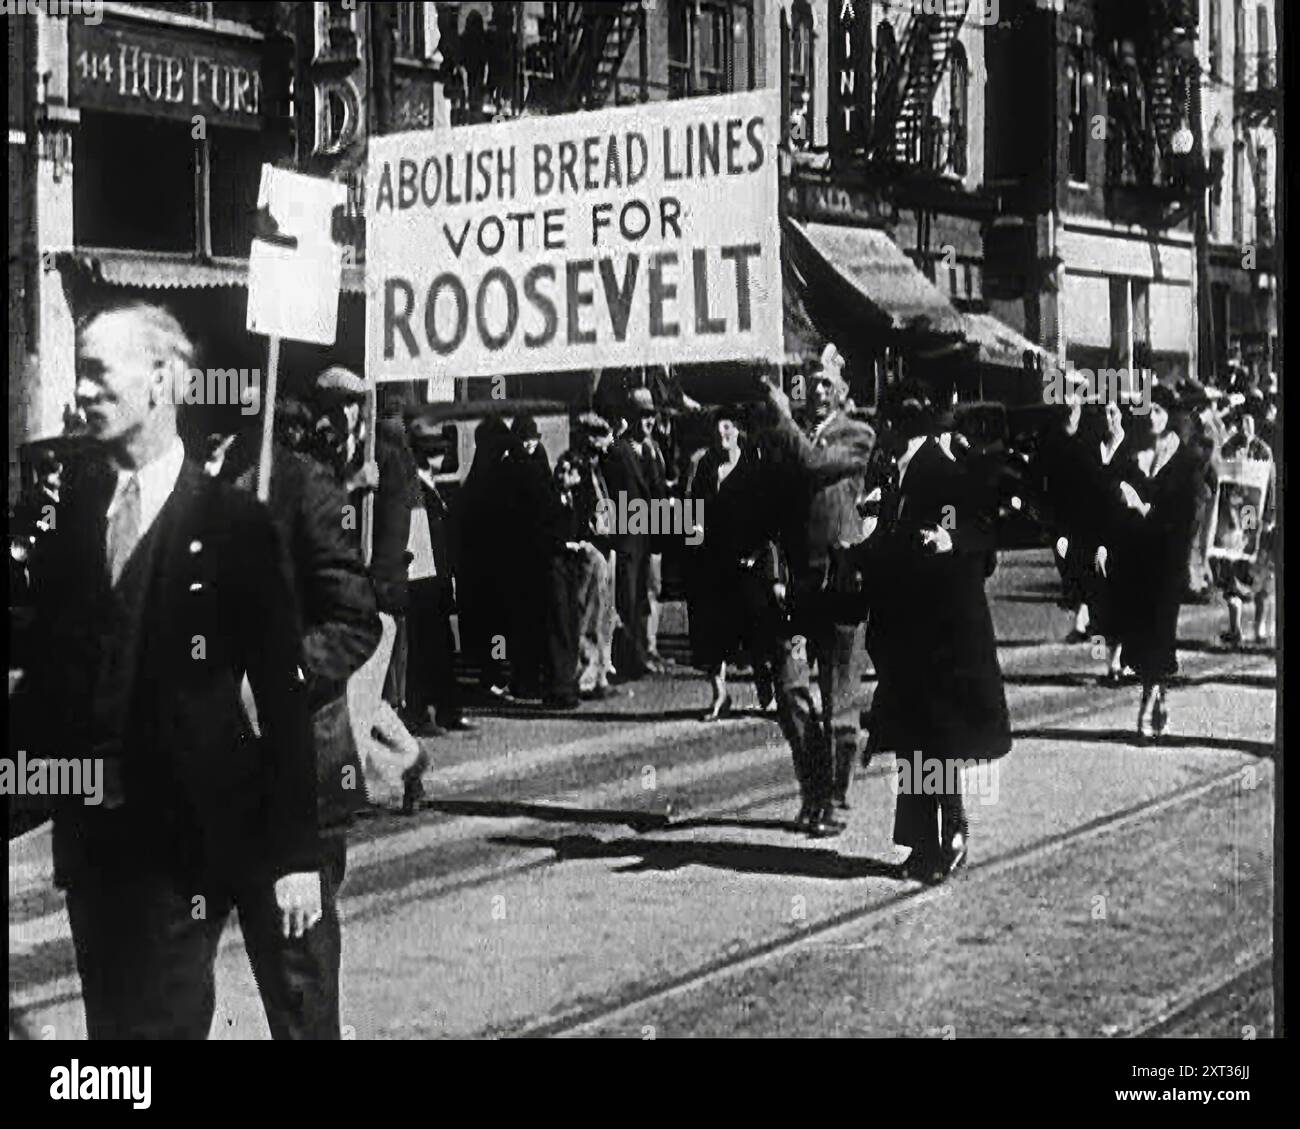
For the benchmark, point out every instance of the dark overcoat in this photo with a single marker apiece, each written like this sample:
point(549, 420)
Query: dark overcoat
point(1150, 563)
point(930, 633)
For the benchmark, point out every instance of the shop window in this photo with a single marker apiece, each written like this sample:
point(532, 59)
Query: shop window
point(958, 110)
point(1140, 291)
point(236, 157)
point(134, 185)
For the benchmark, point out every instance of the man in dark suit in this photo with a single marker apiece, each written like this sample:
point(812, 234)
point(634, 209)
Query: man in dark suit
point(431, 667)
point(815, 483)
point(635, 478)
point(336, 608)
point(160, 587)
point(939, 703)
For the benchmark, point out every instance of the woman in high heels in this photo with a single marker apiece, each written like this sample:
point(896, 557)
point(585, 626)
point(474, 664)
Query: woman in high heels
point(1154, 537)
point(733, 567)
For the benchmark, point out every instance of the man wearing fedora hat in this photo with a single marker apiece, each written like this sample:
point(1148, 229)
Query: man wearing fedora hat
point(635, 469)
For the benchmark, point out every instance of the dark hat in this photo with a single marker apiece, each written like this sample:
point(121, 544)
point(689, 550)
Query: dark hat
point(339, 385)
point(1163, 396)
point(428, 435)
point(640, 403)
point(524, 427)
point(592, 423)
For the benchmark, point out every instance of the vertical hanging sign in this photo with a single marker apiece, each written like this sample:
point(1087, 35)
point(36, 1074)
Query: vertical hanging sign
point(850, 88)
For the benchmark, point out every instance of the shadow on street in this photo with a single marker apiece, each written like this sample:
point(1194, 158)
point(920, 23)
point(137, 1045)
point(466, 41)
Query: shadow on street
point(741, 858)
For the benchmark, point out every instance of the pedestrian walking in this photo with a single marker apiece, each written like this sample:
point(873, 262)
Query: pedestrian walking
point(596, 613)
point(483, 516)
point(939, 695)
point(813, 485)
point(633, 473)
point(1153, 539)
point(160, 588)
point(736, 585)
point(1111, 457)
point(1242, 580)
point(432, 693)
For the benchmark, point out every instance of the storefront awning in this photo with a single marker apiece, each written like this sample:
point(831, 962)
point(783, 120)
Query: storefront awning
point(999, 344)
point(869, 272)
point(167, 270)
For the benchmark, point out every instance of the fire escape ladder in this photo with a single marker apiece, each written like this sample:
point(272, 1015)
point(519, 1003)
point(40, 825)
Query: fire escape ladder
point(596, 38)
point(907, 95)
point(614, 50)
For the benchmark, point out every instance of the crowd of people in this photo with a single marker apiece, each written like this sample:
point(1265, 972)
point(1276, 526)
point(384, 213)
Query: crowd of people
point(1131, 504)
point(157, 585)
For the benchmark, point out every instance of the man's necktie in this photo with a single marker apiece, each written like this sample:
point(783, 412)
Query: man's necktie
point(124, 528)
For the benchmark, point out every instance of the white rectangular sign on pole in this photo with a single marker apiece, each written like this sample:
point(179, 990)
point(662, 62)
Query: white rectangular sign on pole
point(638, 235)
point(293, 292)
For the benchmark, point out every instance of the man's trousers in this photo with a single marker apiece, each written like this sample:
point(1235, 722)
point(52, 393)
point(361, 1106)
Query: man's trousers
point(146, 947)
point(431, 654)
point(632, 601)
point(824, 742)
point(595, 618)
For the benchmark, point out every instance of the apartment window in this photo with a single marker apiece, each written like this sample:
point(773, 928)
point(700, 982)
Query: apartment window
point(958, 110)
point(1239, 43)
point(800, 76)
point(709, 48)
point(1263, 221)
point(1216, 38)
point(1263, 45)
point(1238, 192)
point(410, 31)
point(1078, 123)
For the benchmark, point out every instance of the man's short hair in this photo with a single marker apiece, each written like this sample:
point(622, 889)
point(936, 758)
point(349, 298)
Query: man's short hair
point(160, 330)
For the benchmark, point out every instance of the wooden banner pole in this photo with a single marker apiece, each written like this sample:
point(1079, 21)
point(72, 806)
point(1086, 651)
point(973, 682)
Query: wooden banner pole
point(268, 419)
point(368, 501)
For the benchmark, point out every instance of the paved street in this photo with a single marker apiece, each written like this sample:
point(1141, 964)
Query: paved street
point(627, 871)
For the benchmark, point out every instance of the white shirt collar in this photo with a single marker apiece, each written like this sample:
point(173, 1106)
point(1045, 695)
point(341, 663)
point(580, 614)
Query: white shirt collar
point(157, 481)
point(913, 445)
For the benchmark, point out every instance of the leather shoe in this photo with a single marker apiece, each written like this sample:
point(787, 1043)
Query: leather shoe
point(458, 725)
point(825, 823)
point(807, 812)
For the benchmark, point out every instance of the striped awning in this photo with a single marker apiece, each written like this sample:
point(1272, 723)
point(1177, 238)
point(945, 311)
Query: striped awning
point(872, 275)
point(169, 270)
point(999, 344)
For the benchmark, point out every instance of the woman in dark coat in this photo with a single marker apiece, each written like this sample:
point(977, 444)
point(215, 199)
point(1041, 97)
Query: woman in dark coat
point(1110, 457)
point(483, 524)
point(528, 494)
point(1060, 467)
point(939, 702)
point(1153, 538)
point(734, 577)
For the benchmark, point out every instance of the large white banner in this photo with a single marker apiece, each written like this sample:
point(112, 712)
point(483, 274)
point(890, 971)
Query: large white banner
point(639, 235)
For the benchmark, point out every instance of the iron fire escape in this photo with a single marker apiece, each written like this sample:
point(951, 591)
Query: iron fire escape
point(906, 94)
point(584, 45)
